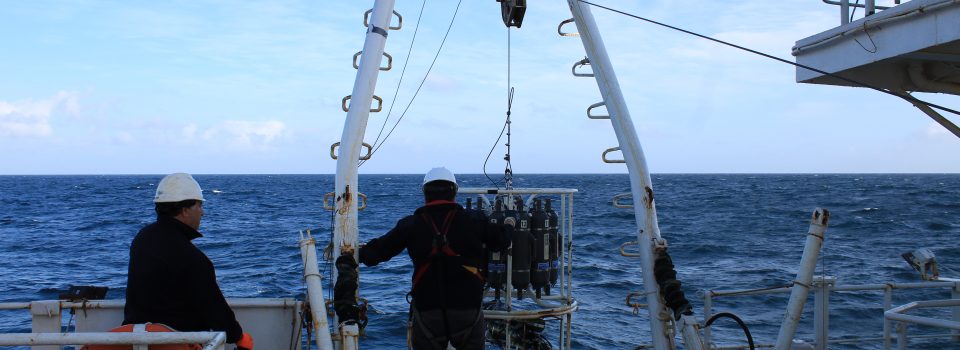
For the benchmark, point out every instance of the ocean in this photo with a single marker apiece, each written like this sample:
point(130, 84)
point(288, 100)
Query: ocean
point(725, 231)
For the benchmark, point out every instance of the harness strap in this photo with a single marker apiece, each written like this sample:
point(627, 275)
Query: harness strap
point(440, 245)
point(437, 246)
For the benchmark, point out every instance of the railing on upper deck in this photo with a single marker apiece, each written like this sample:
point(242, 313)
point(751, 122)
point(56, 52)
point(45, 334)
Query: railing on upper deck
point(869, 7)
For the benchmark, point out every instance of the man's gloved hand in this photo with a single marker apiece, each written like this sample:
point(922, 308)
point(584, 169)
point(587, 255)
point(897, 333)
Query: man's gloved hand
point(245, 342)
point(345, 289)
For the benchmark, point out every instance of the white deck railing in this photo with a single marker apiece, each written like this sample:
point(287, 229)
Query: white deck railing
point(823, 289)
point(211, 340)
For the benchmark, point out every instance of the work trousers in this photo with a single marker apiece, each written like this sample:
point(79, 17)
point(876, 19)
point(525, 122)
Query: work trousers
point(466, 329)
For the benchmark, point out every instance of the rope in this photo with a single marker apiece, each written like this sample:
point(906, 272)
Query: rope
point(858, 83)
point(427, 74)
point(402, 74)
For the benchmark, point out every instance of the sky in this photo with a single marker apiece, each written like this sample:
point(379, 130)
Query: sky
point(212, 87)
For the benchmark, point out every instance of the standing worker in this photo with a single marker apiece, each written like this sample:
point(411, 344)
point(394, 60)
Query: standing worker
point(170, 281)
point(446, 246)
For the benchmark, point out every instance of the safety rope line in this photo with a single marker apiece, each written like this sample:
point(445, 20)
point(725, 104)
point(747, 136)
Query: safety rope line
point(905, 96)
point(403, 72)
point(422, 81)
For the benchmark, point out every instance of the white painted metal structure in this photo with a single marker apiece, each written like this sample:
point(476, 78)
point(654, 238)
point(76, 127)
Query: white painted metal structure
point(346, 191)
point(351, 141)
point(911, 47)
point(804, 281)
point(641, 187)
point(826, 287)
point(211, 340)
point(879, 49)
point(318, 307)
point(275, 322)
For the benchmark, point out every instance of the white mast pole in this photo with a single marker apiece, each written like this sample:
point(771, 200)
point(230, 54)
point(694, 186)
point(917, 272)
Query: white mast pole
point(346, 190)
point(640, 184)
point(345, 225)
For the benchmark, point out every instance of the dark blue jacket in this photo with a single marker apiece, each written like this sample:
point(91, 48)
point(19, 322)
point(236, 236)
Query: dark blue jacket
point(445, 284)
point(171, 281)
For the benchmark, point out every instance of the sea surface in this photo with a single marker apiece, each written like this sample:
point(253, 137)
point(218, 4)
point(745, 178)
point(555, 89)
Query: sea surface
point(725, 231)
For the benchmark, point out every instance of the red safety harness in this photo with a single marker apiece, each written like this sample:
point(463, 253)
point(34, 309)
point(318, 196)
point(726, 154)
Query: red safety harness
point(441, 245)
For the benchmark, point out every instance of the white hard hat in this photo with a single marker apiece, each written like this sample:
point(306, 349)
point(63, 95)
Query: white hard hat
point(440, 174)
point(178, 187)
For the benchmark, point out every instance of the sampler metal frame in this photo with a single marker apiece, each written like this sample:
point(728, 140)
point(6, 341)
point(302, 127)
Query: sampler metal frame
point(562, 304)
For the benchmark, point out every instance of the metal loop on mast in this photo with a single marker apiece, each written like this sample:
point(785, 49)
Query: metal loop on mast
point(333, 153)
point(560, 28)
point(594, 116)
point(372, 110)
point(608, 150)
point(581, 63)
point(366, 20)
point(356, 64)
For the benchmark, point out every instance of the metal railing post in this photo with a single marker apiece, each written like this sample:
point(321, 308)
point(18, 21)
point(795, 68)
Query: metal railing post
point(821, 310)
point(956, 310)
point(902, 335)
point(870, 8)
point(707, 312)
point(45, 319)
point(887, 305)
point(844, 12)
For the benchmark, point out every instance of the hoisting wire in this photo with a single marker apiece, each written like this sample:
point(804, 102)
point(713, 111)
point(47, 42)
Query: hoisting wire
point(904, 96)
point(403, 72)
point(427, 74)
point(508, 172)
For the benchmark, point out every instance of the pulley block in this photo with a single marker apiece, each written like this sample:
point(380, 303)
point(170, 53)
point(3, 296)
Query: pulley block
point(512, 12)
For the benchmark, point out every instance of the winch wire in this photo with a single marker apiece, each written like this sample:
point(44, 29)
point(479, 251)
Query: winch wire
point(508, 172)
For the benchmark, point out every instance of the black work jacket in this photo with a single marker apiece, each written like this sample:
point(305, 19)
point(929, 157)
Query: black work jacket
point(445, 283)
point(171, 281)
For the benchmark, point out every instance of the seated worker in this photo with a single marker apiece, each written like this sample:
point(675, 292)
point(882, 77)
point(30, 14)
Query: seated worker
point(446, 246)
point(169, 280)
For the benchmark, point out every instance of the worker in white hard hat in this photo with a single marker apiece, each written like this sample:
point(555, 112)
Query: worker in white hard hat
point(446, 246)
point(169, 280)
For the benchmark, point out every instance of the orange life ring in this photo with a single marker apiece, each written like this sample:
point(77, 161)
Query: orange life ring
point(148, 327)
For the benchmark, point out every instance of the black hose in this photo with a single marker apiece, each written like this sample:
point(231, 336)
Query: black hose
point(746, 331)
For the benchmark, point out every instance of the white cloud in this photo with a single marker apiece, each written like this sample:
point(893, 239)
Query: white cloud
point(189, 131)
point(32, 118)
point(123, 138)
point(249, 133)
